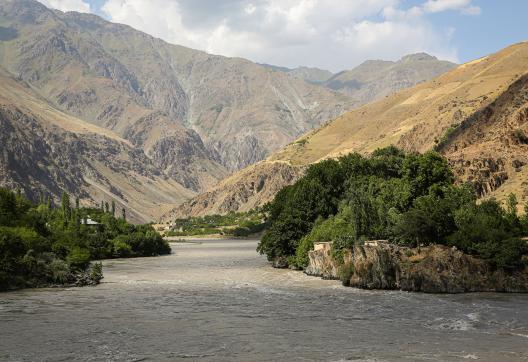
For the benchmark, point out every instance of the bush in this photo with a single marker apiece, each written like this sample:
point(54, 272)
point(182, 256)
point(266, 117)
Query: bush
point(12, 252)
point(340, 244)
point(505, 254)
point(332, 229)
point(60, 271)
point(97, 272)
point(78, 258)
point(120, 247)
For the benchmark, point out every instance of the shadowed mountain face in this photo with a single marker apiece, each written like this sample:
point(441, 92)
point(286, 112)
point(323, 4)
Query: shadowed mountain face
point(45, 151)
point(475, 115)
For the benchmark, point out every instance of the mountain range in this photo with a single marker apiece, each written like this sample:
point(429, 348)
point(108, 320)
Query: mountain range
point(94, 107)
point(476, 115)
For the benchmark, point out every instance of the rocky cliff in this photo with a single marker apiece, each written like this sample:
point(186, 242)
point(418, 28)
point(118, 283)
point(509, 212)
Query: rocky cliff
point(433, 269)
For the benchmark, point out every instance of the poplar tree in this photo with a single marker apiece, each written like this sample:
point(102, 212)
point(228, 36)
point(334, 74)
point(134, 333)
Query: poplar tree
point(66, 208)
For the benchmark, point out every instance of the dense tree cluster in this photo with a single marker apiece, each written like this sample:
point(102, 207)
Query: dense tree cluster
point(407, 199)
point(43, 245)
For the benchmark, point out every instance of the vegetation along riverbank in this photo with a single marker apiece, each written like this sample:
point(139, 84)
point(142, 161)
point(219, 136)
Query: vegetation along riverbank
point(43, 245)
point(233, 224)
point(411, 202)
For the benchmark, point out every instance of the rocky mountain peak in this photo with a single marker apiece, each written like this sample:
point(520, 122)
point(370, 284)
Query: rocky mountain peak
point(417, 57)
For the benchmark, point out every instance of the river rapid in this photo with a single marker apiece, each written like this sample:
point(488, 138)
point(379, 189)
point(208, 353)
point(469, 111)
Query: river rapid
point(218, 300)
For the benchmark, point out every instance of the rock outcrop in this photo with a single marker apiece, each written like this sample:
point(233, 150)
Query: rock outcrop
point(433, 269)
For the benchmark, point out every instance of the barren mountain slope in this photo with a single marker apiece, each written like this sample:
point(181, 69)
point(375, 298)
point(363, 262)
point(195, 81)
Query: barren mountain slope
point(490, 89)
point(490, 148)
point(375, 79)
point(119, 78)
point(48, 151)
point(309, 74)
point(253, 186)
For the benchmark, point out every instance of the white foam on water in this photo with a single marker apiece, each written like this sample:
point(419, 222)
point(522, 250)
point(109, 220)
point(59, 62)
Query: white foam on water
point(519, 335)
point(470, 356)
point(474, 317)
point(452, 324)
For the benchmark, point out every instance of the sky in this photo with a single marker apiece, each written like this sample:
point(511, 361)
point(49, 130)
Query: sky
point(329, 34)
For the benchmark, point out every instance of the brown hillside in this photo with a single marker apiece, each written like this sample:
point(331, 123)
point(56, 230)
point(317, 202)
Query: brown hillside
point(485, 100)
point(45, 151)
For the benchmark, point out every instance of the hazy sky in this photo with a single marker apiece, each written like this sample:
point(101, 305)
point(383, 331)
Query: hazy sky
point(330, 34)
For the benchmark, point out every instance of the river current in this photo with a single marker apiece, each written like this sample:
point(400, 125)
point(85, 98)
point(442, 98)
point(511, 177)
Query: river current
point(218, 300)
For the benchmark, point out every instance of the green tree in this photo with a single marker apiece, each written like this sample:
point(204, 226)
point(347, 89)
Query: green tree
point(8, 207)
point(403, 198)
point(66, 207)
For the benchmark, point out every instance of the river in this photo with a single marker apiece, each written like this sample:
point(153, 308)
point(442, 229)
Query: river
point(218, 300)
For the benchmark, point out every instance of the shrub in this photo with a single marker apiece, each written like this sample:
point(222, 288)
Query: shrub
point(60, 271)
point(340, 244)
point(324, 230)
point(78, 258)
point(96, 273)
point(504, 254)
point(120, 247)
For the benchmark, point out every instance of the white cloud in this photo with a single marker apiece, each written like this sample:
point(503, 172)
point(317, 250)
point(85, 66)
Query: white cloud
point(67, 5)
point(332, 34)
point(436, 6)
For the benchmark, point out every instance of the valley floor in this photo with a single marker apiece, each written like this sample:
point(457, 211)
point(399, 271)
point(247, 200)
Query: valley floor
point(219, 300)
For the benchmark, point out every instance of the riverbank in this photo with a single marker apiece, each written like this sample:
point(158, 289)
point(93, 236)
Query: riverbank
point(432, 269)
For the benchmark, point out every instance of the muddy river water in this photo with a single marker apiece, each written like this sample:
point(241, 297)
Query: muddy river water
point(218, 300)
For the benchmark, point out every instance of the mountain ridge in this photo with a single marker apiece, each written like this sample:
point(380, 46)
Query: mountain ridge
point(47, 152)
point(112, 75)
point(190, 117)
point(418, 119)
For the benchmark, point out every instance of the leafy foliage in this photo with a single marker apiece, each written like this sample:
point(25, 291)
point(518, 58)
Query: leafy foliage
point(41, 245)
point(236, 224)
point(407, 199)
